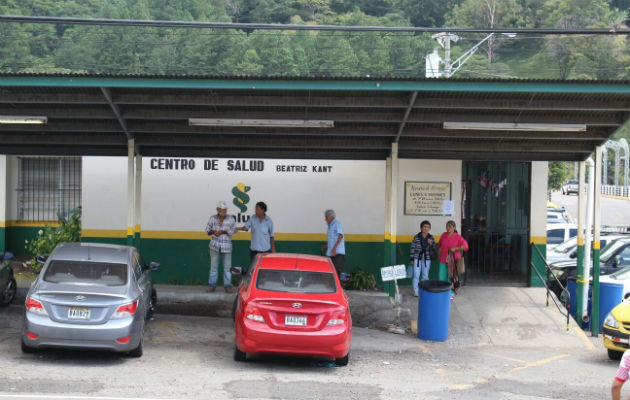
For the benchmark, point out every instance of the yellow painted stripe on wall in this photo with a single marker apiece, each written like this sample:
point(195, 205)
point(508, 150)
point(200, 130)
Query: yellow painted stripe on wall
point(580, 241)
point(137, 228)
point(3, 224)
point(30, 224)
point(596, 244)
point(538, 240)
point(104, 233)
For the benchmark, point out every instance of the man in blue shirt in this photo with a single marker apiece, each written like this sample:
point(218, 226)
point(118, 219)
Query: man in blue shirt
point(262, 231)
point(335, 246)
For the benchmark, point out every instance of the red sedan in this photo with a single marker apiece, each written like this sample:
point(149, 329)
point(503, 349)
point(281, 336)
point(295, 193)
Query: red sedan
point(292, 304)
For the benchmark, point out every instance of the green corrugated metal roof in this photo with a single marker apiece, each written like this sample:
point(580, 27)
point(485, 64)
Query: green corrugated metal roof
point(310, 83)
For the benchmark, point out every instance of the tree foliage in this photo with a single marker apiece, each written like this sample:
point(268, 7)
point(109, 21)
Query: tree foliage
point(194, 51)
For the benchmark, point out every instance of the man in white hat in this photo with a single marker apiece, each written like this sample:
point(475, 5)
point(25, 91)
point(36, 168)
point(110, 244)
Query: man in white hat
point(221, 228)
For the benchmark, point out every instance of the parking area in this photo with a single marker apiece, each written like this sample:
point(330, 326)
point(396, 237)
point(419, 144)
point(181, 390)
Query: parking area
point(503, 344)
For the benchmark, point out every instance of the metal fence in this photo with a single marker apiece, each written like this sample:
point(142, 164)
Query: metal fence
point(613, 190)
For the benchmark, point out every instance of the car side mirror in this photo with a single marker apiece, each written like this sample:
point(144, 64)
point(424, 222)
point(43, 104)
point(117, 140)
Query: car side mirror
point(238, 271)
point(154, 266)
point(41, 259)
point(573, 255)
point(625, 296)
point(617, 260)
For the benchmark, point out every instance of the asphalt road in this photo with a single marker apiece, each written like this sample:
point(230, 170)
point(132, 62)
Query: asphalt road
point(614, 211)
point(190, 357)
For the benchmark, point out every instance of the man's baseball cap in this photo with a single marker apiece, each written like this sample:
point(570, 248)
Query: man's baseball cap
point(222, 205)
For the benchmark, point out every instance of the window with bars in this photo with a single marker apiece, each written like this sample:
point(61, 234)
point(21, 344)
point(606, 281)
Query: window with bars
point(47, 187)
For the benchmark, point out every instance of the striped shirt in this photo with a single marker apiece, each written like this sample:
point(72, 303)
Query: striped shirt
point(624, 367)
point(221, 243)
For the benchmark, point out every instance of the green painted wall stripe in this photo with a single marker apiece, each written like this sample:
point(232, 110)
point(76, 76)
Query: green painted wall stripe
point(337, 85)
point(539, 264)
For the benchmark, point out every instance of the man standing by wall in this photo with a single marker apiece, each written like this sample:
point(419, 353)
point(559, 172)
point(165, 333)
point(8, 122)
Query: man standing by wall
point(336, 246)
point(221, 228)
point(262, 232)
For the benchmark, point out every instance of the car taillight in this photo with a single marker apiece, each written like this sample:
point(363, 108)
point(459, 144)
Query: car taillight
point(252, 313)
point(126, 310)
point(337, 318)
point(35, 306)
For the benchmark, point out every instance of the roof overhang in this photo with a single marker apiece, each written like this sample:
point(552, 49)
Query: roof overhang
point(347, 118)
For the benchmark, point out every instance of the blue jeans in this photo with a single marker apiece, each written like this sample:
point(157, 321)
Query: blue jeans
point(214, 269)
point(420, 269)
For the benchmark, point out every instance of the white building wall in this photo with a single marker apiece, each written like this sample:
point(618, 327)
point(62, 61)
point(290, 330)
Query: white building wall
point(538, 201)
point(183, 199)
point(428, 171)
point(104, 193)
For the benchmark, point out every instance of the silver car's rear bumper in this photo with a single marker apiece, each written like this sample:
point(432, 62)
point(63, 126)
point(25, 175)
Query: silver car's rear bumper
point(102, 337)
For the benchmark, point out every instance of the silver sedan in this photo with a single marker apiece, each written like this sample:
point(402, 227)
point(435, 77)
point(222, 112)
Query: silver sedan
point(90, 296)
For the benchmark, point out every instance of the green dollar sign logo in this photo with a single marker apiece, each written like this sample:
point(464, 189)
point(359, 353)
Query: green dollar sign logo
point(241, 198)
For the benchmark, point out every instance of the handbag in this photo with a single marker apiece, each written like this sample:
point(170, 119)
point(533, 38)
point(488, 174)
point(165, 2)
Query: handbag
point(461, 266)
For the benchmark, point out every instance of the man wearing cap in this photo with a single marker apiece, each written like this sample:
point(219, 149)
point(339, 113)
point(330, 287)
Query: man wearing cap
point(221, 228)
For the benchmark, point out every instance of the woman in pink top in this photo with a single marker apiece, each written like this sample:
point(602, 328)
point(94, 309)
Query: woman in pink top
point(450, 242)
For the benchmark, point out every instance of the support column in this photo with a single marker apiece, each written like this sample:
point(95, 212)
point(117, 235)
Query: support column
point(138, 202)
point(581, 290)
point(393, 204)
point(130, 190)
point(4, 170)
point(597, 215)
point(387, 241)
point(391, 214)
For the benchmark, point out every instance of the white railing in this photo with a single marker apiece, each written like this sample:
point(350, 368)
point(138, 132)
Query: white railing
point(612, 190)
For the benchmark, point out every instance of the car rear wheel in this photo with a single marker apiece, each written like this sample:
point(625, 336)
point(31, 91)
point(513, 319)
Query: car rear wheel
point(8, 294)
point(239, 355)
point(614, 354)
point(137, 352)
point(343, 360)
point(27, 349)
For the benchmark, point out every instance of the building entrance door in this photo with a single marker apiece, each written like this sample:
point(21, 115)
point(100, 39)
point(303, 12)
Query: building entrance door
point(495, 222)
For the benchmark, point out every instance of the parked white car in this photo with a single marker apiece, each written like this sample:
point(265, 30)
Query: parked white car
point(570, 186)
point(558, 233)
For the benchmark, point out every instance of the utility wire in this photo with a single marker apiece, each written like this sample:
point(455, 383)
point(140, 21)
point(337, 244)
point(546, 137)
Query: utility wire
point(252, 26)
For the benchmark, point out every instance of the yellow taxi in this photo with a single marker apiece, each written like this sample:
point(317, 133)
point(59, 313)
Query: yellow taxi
point(617, 330)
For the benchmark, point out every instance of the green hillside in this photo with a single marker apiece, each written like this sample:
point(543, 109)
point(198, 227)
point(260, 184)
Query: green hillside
point(100, 49)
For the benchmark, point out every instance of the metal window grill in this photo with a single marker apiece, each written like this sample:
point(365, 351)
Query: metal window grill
point(47, 187)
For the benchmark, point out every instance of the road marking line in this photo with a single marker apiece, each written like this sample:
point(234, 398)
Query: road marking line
point(540, 362)
point(501, 357)
point(582, 335)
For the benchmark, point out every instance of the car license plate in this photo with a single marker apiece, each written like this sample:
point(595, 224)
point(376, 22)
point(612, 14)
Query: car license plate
point(78, 313)
point(295, 320)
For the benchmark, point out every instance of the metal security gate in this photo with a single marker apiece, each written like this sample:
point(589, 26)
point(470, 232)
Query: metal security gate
point(496, 221)
point(48, 187)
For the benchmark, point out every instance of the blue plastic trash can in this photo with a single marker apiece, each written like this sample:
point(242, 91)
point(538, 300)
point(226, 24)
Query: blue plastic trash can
point(610, 295)
point(434, 309)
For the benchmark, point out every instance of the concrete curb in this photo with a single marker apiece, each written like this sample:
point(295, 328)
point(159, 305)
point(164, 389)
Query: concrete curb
point(368, 309)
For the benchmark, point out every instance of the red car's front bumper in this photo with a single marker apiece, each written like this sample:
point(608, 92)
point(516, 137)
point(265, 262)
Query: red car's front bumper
point(257, 337)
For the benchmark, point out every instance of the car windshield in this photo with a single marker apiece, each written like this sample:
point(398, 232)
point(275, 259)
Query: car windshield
point(82, 272)
point(611, 248)
point(566, 246)
point(277, 280)
point(621, 275)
